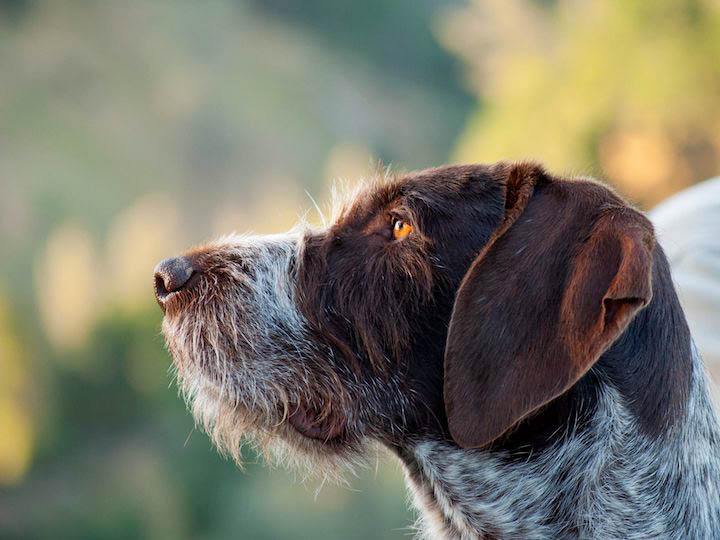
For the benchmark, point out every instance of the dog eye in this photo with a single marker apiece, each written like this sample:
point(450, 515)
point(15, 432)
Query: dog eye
point(401, 229)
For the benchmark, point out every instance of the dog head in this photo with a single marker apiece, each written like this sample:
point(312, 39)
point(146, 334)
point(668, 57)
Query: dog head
point(453, 302)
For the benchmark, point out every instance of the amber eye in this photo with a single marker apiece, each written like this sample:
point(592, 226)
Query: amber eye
point(401, 229)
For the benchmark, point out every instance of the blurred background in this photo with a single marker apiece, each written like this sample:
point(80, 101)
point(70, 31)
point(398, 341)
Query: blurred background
point(129, 130)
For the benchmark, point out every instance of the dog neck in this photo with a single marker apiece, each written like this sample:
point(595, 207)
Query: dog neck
point(604, 481)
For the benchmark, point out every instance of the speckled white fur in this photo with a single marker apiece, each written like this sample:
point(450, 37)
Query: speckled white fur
point(606, 482)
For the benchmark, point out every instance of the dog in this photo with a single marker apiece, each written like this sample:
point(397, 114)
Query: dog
point(514, 337)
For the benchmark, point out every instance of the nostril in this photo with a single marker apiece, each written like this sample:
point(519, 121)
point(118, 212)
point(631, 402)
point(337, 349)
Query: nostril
point(160, 288)
point(172, 275)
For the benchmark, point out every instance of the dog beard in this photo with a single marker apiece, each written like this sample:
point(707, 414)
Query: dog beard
point(244, 363)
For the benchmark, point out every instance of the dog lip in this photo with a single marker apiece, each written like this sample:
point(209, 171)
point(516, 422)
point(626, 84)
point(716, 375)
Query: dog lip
point(166, 298)
point(162, 295)
point(312, 427)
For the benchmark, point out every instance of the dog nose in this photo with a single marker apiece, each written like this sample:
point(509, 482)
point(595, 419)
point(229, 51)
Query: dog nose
point(172, 275)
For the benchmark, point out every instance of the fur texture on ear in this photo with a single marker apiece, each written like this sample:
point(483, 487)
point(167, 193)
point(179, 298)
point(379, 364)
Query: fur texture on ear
point(555, 286)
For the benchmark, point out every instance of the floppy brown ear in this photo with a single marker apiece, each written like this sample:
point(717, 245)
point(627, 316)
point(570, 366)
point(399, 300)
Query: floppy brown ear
point(559, 282)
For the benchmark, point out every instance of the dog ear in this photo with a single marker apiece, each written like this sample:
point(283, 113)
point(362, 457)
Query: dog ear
point(558, 282)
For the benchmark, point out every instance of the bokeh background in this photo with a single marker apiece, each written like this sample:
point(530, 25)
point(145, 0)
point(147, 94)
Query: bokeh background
point(129, 130)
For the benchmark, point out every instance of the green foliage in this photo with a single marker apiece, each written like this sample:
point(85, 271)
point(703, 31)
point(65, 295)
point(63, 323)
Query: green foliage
point(628, 89)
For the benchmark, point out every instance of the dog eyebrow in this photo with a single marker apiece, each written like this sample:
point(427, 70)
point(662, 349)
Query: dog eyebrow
point(383, 213)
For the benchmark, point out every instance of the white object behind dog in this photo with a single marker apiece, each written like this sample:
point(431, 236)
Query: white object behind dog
point(688, 226)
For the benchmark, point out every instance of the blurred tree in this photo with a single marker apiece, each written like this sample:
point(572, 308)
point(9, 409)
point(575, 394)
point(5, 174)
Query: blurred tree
point(17, 441)
point(624, 88)
point(14, 9)
point(394, 35)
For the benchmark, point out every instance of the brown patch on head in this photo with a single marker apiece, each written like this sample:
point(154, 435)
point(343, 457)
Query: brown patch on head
point(359, 285)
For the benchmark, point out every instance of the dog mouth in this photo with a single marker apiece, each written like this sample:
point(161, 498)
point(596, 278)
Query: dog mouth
point(313, 425)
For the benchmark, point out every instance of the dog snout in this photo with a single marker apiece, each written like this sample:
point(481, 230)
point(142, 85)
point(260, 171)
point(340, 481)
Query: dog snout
point(172, 275)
